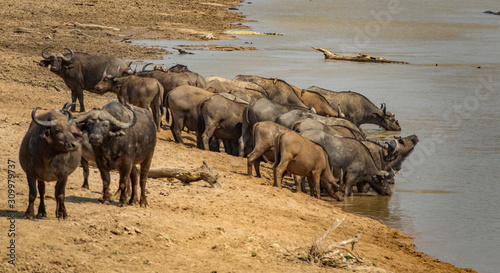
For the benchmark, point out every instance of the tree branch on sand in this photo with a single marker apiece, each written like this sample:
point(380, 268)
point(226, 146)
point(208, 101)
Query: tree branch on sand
point(204, 172)
point(359, 58)
point(331, 254)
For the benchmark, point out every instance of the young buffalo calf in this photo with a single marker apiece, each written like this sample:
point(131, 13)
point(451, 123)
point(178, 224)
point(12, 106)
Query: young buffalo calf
point(300, 156)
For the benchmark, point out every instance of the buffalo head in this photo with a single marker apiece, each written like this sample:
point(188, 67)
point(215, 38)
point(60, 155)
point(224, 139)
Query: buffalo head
point(387, 119)
point(398, 149)
point(57, 61)
point(101, 125)
point(380, 183)
point(60, 131)
point(108, 82)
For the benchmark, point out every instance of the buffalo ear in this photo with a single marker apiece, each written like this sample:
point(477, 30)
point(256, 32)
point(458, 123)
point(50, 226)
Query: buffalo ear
point(44, 63)
point(377, 116)
point(46, 135)
point(391, 157)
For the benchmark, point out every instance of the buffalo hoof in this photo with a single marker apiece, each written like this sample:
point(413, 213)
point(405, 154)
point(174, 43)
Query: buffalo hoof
point(133, 201)
point(41, 215)
point(29, 215)
point(143, 203)
point(104, 200)
point(62, 214)
point(86, 186)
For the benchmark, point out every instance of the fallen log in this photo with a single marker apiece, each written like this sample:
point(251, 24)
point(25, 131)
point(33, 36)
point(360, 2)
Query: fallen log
point(92, 26)
point(359, 58)
point(204, 172)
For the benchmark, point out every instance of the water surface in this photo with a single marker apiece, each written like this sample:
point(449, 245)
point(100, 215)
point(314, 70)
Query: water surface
point(447, 196)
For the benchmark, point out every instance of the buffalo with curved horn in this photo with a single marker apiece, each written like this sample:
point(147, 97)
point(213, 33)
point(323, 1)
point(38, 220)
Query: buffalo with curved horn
point(82, 71)
point(50, 151)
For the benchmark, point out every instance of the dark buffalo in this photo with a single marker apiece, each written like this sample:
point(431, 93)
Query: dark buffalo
point(183, 103)
point(261, 110)
point(50, 151)
point(142, 92)
point(358, 109)
point(302, 157)
point(220, 116)
point(81, 71)
point(288, 119)
point(338, 130)
point(351, 161)
point(121, 137)
point(275, 89)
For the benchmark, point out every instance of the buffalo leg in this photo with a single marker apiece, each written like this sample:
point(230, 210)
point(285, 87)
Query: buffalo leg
point(177, 125)
point(349, 183)
point(207, 134)
point(77, 94)
point(41, 207)
point(60, 190)
point(30, 211)
point(85, 167)
point(145, 165)
point(133, 181)
point(252, 158)
point(106, 195)
point(125, 171)
point(279, 169)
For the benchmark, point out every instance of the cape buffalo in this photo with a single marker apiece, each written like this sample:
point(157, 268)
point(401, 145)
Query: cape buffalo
point(358, 109)
point(183, 102)
point(350, 157)
point(264, 134)
point(81, 71)
point(146, 93)
point(219, 85)
point(300, 156)
point(174, 77)
point(50, 151)
point(316, 100)
point(120, 142)
point(390, 157)
point(338, 130)
point(288, 119)
point(263, 109)
point(276, 90)
point(220, 116)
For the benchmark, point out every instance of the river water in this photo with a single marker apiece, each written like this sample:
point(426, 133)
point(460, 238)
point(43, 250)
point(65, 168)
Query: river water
point(447, 195)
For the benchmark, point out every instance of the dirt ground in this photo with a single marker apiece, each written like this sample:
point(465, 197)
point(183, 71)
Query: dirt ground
point(244, 226)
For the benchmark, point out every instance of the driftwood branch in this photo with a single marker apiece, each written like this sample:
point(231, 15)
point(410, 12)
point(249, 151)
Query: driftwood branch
point(204, 172)
point(92, 26)
point(360, 58)
point(316, 247)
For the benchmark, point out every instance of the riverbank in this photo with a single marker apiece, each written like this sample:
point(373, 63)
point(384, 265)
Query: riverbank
point(187, 228)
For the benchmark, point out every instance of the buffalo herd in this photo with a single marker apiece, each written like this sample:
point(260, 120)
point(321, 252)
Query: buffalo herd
point(312, 134)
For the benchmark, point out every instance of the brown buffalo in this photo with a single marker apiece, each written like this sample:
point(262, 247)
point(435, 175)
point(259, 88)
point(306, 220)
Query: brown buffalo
point(299, 156)
point(316, 100)
point(264, 134)
point(50, 151)
point(146, 93)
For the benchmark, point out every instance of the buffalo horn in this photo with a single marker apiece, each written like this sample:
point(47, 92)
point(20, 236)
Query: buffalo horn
point(116, 74)
point(72, 54)
point(144, 67)
point(82, 118)
point(43, 53)
point(383, 108)
point(106, 116)
point(67, 105)
point(70, 116)
point(41, 122)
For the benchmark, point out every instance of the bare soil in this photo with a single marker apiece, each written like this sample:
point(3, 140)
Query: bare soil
point(242, 227)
